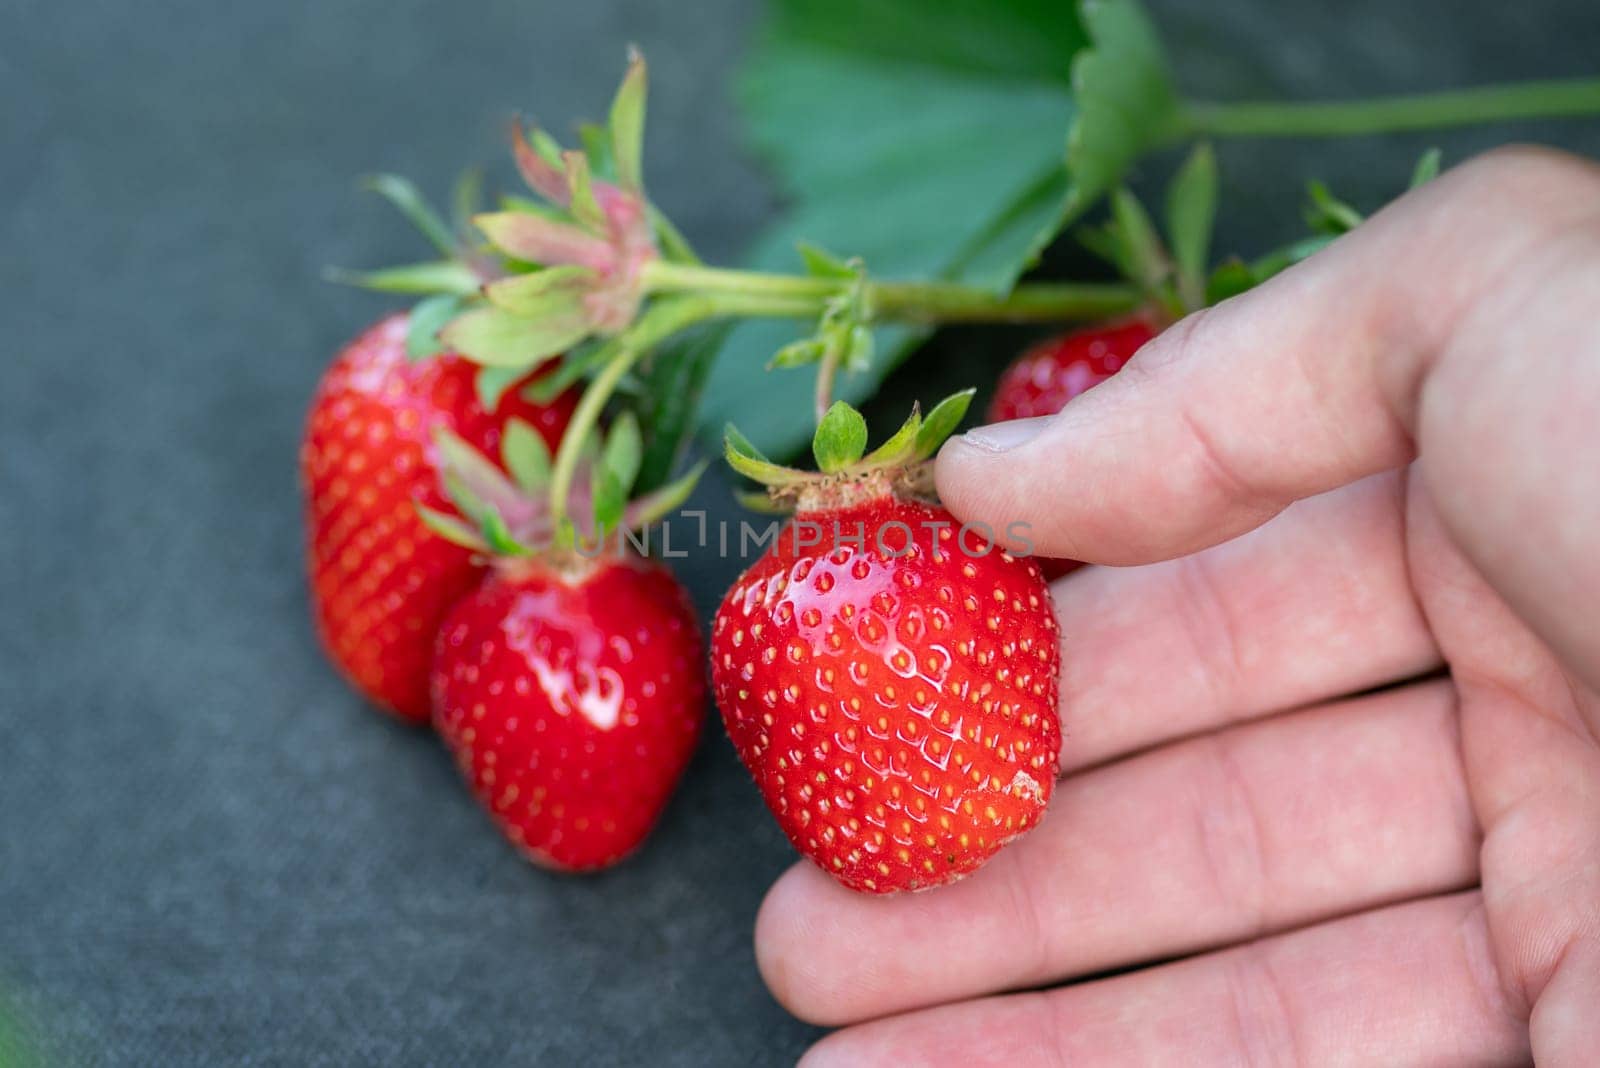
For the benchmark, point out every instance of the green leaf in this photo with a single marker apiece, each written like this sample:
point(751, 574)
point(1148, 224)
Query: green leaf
point(1427, 168)
point(496, 338)
point(436, 276)
point(624, 451)
point(450, 528)
point(547, 292)
point(427, 319)
point(466, 199)
point(1191, 214)
point(840, 439)
point(526, 456)
point(673, 379)
point(414, 206)
point(626, 124)
point(1126, 102)
point(944, 153)
point(940, 422)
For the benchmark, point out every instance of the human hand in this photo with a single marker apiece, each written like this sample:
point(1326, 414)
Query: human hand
point(1383, 461)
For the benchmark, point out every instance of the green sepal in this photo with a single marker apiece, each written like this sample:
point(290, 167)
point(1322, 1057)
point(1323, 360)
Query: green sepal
point(548, 148)
point(427, 318)
point(549, 292)
point(626, 124)
point(466, 200)
point(574, 367)
point(414, 206)
point(807, 350)
point(902, 444)
point(491, 384)
point(1143, 258)
point(585, 208)
point(821, 263)
point(609, 500)
point(1191, 214)
point(734, 438)
point(526, 456)
point(941, 422)
point(760, 502)
point(450, 528)
point(1229, 278)
point(746, 459)
point(840, 439)
point(496, 338)
point(435, 276)
point(1327, 214)
point(858, 348)
point(1427, 168)
point(674, 247)
point(498, 535)
point(623, 451)
point(667, 499)
point(473, 473)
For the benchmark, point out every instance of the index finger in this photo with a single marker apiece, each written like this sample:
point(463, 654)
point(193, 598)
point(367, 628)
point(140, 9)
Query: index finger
point(1309, 382)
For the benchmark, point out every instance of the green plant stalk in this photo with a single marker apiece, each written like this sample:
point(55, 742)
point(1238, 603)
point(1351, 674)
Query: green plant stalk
point(1394, 114)
point(661, 321)
point(800, 296)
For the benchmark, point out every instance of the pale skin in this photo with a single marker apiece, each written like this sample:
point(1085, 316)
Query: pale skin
point(1381, 467)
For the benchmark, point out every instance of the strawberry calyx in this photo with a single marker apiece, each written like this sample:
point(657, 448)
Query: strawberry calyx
point(502, 510)
point(846, 472)
point(576, 256)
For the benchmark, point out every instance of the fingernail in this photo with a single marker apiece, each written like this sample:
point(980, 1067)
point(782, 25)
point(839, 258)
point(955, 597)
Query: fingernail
point(1003, 437)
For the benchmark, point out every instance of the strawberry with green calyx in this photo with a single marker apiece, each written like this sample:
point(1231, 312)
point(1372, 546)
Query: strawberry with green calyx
point(888, 677)
point(570, 685)
point(380, 581)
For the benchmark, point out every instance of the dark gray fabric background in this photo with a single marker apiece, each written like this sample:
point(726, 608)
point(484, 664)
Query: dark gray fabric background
point(210, 852)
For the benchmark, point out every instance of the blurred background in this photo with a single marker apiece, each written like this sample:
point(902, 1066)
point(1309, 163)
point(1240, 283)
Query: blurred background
point(210, 851)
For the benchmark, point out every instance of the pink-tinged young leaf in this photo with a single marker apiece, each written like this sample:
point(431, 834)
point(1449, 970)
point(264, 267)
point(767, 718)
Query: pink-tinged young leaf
point(553, 291)
point(543, 241)
point(542, 176)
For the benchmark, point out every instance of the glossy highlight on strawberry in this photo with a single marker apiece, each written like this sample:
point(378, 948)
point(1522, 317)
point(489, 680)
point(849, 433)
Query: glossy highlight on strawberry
point(898, 712)
point(380, 580)
point(572, 698)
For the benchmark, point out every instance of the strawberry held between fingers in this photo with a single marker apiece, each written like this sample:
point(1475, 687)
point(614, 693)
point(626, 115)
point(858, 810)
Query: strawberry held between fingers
point(889, 679)
point(380, 580)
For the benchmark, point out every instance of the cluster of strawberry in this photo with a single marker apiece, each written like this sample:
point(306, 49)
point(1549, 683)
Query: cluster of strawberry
point(890, 684)
point(893, 696)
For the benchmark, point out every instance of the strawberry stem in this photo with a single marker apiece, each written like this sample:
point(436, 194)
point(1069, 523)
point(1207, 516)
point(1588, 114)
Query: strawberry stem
point(803, 296)
point(1420, 111)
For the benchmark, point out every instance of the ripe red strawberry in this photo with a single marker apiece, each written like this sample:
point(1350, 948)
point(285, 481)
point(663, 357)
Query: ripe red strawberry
point(895, 700)
point(572, 698)
point(380, 580)
point(1044, 378)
